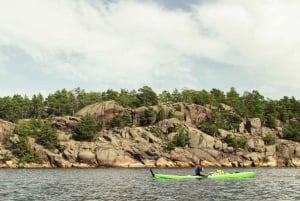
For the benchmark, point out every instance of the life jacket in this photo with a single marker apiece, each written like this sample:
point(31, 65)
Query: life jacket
point(198, 170)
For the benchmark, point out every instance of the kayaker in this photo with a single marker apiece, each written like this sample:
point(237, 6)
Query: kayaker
point(199, 169)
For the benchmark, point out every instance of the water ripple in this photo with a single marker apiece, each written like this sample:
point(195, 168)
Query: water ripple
point(137, 184)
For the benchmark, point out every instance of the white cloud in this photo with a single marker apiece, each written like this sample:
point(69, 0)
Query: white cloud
point(112, 41)
point(126, 44)
point(260, 37)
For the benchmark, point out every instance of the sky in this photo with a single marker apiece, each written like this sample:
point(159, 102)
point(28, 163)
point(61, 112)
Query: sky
point(49, 45)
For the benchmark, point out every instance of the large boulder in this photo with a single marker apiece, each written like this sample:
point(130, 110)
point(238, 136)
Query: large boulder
point(297, 150)
point(198, 139)
point(195, 114)
point(253, 126)
point(181, 155)
point(58, 161)
point(71, 151)
point(87, 156)
point(164, 162)
point(255, 143)
point(5, 128)
point(106, 156)
point(225, 162)
point(295, 162)
point(126, 161)
point(270, 150)
point(49, 158)
point(169, 125)
point(191, 113)
point(138, 114)
point(223, 133)
point(103, 112)
point(254, 156)
point(66, 123)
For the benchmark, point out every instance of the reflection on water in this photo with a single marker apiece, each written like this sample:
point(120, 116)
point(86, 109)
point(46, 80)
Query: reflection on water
point(137, 184)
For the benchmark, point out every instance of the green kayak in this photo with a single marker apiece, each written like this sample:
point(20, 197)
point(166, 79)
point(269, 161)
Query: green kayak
point(234, 175)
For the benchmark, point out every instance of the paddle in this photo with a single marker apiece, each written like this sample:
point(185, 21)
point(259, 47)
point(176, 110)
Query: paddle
point(151, 172)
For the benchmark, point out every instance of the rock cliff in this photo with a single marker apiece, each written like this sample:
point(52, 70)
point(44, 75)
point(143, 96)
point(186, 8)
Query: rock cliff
point(147, 146)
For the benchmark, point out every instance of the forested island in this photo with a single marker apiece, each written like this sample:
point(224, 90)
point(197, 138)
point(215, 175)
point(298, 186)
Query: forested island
point(141, 128)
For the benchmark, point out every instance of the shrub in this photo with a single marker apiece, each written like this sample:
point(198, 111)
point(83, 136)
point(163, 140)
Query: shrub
point(292, 131)
point(234, 120)
point(43, 133)
point(181, 138)
point(270, 121)
point(145, 136)
point(269, 139)
point(29, 128)
point(47, 137)
point(121, 120)
point(170, 146)
point(235, 142)
point(209, 128)
point(155, 131)
point(23, 128)
point(161, 115)
point(23, 151)
point(86, 129)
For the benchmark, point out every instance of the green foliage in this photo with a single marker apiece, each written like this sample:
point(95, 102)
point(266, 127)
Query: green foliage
point(23, 128)
point(217, 120)
point(269, 139)
point(233, 120)
point(217, 97)
point(47, 137)
point(28, 128)
point(155, 131)
point(289, 108)
point(23, 151)
point(270, 121)
point(292, 131)
point(233, 99)
point(15, 108)
point(198, 97)
point(117, 121)
point(110, 95)
point(176, 96)
point(254, 104)
point(128, 99)
point(229, 139)
point(181, 138)
point(209, 128)
point(165, 96)
point(271, 113)
point(63, 102)
point(145, 136)
point(121, 120)
point(235, 142)
point(86, 129)
point(148, 117)
point(5, 157)
point(146, 96)
point(161, 115)
point(170, 146)
point(38, 109)
point(82, 98)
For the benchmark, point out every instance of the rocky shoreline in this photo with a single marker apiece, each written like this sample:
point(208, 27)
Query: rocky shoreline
point(145, 146)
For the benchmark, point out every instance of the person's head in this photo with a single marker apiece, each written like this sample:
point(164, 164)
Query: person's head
point(200, 161)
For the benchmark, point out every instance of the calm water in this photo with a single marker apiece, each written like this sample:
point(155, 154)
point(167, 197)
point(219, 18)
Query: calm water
point(137, 184)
